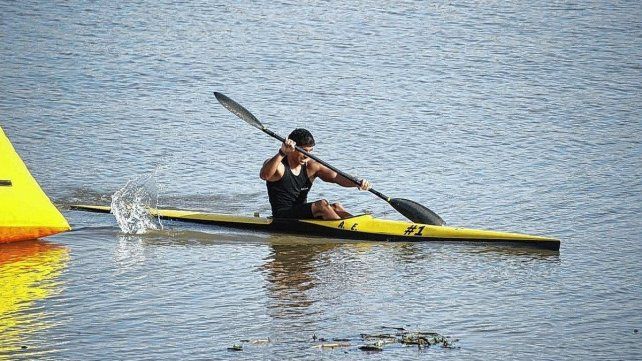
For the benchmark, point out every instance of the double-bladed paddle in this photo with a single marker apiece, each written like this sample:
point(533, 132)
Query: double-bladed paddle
point(410, 209)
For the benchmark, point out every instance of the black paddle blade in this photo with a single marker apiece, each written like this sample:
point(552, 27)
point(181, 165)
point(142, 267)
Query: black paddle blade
point(416, 212)
point(238, 109)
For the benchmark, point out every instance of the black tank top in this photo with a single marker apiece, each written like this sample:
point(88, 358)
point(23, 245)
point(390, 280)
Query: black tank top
point(290, 190)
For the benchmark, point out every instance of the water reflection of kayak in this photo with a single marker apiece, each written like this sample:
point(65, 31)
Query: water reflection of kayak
point(28, 272)
point(361, 227)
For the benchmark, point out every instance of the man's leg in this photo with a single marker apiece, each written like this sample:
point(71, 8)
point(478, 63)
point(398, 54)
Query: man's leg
point(338, 209)
point(323, 209)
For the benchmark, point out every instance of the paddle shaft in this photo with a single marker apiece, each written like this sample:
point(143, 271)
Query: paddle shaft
point(343, 174)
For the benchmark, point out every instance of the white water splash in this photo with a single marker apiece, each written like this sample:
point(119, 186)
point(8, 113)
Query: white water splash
point(129, 205)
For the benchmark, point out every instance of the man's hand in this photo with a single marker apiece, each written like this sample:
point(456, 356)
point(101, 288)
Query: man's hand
point(365, 185)
point(288, 146)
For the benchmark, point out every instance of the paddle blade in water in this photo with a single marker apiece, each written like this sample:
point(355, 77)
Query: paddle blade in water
point(238, 109)
point(416, 212)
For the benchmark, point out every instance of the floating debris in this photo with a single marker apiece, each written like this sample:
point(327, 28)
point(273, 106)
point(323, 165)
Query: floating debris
point(375, 342)
point(260, 341)
point(393, 328)
point(333, 345)
point(383, 336)
point(370, 348)
point(318, 339)
point(376, 347)
point(419, 338)
point(380, 341)
point(426, 339)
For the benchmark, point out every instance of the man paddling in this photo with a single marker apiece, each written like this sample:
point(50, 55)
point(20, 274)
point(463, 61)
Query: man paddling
point(289, 176)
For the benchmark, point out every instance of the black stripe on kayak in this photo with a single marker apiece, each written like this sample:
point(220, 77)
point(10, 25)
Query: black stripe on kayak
point(5, 183)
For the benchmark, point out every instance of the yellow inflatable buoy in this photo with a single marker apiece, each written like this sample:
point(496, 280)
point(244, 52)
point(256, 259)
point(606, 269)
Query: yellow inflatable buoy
point(25, 210)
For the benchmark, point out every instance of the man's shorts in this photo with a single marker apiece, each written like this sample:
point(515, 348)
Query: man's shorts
point(298, 211)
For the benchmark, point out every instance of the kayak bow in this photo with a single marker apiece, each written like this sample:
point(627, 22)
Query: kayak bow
point(360, 227)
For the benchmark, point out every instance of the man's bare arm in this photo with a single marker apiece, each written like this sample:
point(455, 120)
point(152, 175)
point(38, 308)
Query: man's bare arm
point(328, 175)
point(270, 171)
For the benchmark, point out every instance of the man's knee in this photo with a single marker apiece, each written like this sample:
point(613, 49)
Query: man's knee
point(322, 204)
point(323, 208)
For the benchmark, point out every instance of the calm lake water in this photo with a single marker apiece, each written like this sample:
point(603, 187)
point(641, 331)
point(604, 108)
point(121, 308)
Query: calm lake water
point(516, 116)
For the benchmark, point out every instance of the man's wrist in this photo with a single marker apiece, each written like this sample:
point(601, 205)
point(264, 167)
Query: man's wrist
point(282, 153)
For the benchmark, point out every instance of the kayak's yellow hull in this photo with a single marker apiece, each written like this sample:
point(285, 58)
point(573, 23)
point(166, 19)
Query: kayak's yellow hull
point(25, 210)
point(362, 227)
point(369, 224)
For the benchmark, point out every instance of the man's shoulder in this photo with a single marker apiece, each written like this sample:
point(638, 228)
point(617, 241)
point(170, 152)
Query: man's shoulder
point(314, 167)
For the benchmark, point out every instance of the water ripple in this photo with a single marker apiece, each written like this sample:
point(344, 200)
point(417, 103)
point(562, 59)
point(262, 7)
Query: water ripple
point(519, 117)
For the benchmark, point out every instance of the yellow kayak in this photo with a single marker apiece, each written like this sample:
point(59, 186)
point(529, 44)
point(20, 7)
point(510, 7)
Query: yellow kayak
point(360, 227)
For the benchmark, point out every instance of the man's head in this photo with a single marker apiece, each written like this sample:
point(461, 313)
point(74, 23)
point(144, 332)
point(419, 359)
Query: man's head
point(302, 137)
